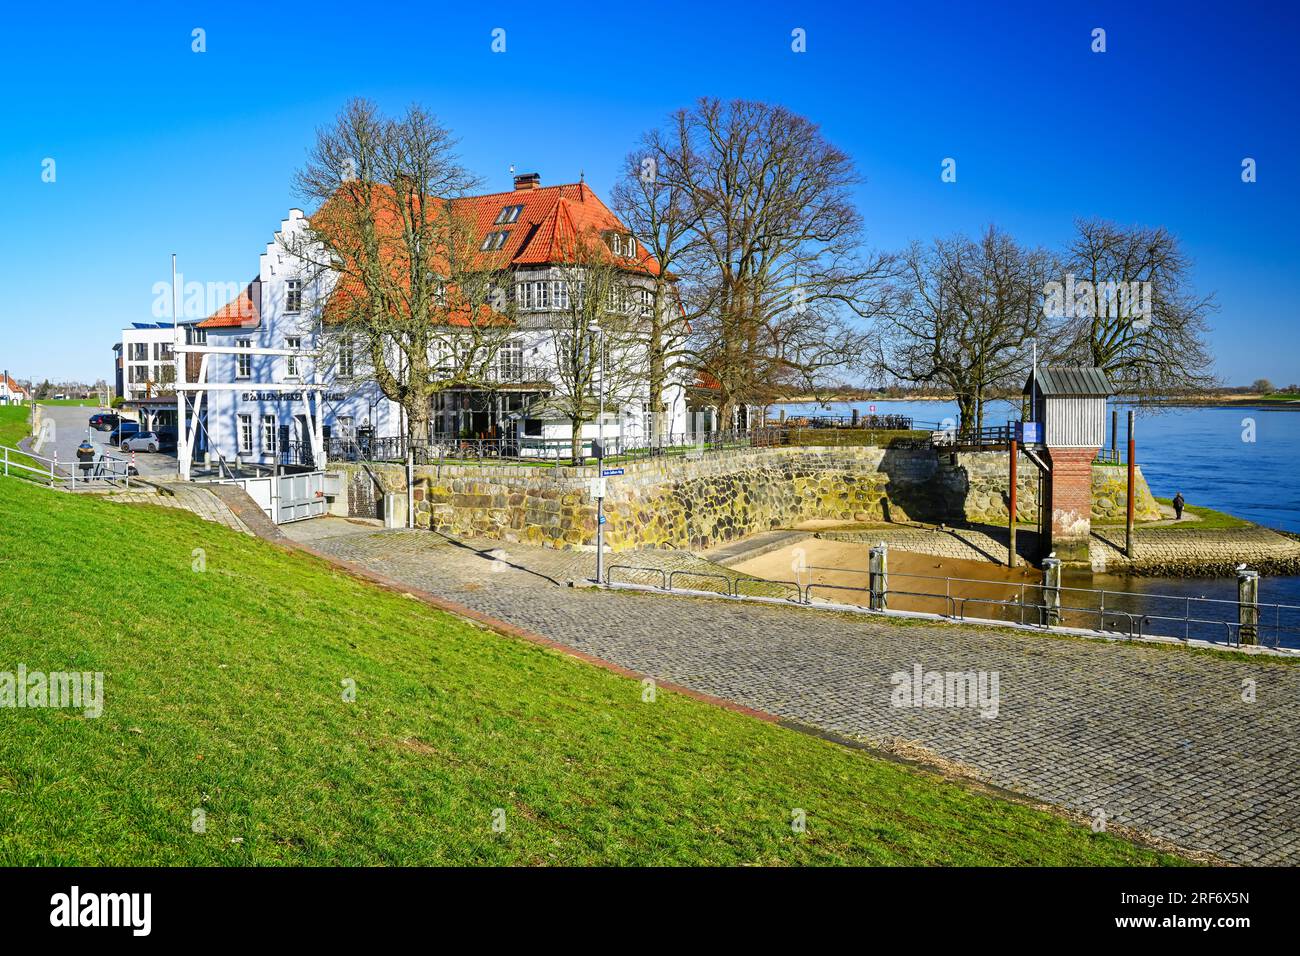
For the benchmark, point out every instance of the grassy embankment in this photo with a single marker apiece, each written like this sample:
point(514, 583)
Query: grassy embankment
point(14, 427)
point(224, 692)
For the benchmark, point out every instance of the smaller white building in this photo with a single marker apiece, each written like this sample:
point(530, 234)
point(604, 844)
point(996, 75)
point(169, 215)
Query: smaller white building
point(149, 360)
point(11, 393)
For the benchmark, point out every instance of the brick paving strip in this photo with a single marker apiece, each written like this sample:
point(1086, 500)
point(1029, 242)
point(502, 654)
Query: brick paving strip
point(1159, 740)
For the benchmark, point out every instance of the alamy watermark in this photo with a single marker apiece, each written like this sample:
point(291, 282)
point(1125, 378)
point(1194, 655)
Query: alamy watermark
point(65, 690)
point(922, 688)
point(1085, 299)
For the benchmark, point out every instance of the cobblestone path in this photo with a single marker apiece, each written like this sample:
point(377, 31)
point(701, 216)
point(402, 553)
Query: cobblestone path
point(1159, 739)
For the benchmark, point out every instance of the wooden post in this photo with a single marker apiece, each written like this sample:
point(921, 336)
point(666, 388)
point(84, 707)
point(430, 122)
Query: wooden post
point(1051, 591)
point(1128, 520)
point(1248, 606)
point(878, 577)
point(1011, 506)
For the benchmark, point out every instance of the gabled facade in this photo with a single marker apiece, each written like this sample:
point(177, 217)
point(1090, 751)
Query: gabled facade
point(11, 393)
point(523, 232)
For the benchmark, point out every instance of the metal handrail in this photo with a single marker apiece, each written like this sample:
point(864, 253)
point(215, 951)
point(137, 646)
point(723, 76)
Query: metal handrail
point(700, 574)
point(632, 567)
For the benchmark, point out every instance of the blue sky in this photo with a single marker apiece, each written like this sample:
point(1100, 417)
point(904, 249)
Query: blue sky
point(160, 150)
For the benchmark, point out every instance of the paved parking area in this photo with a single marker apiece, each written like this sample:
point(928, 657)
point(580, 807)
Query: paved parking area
point(1198, 750)
point(71, 426)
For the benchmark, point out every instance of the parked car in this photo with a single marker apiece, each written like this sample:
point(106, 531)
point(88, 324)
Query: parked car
point(123, 430)
point(105, 421)
point(141, 441)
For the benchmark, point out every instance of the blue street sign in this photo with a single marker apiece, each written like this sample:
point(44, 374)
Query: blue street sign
point(610, 472)
point(602, 519)
point(1029, 433)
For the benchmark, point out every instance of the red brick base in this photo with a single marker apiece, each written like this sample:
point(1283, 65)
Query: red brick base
point(1069, 503)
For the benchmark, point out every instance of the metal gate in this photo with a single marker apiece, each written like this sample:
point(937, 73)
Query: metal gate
point(299, 496)
point(284, 498)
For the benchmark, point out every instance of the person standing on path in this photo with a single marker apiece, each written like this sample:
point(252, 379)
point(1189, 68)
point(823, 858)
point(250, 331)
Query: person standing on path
point(85, 458)
point(1178, 506)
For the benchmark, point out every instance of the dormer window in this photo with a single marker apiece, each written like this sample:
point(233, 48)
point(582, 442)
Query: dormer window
point(621, 244)
point(509, 214)
point(494, 241)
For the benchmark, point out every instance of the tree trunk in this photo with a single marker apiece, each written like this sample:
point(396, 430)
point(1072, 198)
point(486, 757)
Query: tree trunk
point(965, 412)
point(418, 418)
point(656, 395)
point(575, 442)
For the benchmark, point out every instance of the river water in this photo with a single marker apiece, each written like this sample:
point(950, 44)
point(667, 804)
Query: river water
point(1245, 461)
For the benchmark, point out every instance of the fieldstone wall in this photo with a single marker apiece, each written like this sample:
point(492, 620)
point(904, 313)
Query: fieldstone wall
point(681, 502)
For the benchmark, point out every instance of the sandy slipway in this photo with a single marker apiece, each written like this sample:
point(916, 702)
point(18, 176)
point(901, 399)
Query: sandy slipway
point(1157, 739)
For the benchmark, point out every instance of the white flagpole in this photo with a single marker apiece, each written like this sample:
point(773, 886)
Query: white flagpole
point(182, 459)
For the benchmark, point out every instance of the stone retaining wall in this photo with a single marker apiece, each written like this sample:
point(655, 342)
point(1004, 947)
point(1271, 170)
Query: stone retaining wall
point(678, 502)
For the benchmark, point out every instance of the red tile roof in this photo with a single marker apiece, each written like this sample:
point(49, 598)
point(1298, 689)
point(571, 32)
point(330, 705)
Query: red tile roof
point(545, 231)
point(552, 218)
point(14, 387)
point(243, 312)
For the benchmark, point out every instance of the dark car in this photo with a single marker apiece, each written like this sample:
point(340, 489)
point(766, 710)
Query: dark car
point(123, 430)
point(105, 421)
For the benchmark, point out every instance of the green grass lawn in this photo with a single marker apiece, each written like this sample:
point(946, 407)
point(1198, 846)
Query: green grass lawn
point(1211, 520)
point(823, 437)
point(14, 427)
point(224, 692)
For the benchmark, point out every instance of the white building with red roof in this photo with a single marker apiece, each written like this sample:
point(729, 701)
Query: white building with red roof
point(270, 422)
point(11, 393)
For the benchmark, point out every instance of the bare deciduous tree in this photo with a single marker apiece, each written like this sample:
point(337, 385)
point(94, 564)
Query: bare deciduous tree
point(1159, 346)
point(653, 201)
point(412, 299)
point(774, 278)
point(965, 317)
point(598, 310)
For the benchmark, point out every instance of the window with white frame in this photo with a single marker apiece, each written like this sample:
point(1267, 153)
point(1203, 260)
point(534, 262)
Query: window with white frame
point(195, 335)
point(561, 295)
point(645, 299)
point(540, 296)
point(270, 435)
point(616, 299)
point(347, 357)
point(243, 363)
point(138, 352)
point(293, 295)
point(511, 359)
point(345, 426)
point(291, 361)
point(245, 434)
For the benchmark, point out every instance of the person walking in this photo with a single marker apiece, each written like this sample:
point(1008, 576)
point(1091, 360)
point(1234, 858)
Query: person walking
point(85, 458)
point(1178, 506)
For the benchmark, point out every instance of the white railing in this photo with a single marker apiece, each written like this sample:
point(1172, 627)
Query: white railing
point(16, 463)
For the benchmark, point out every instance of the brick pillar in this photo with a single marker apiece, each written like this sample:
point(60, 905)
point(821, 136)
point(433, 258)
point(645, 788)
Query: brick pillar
point(1069, 503)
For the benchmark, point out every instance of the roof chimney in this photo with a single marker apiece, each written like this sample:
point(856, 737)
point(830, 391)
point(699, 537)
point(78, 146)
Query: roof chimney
point(528, 181)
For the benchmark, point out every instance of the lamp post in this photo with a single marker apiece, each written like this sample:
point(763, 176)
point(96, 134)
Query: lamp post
point(598, 332)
